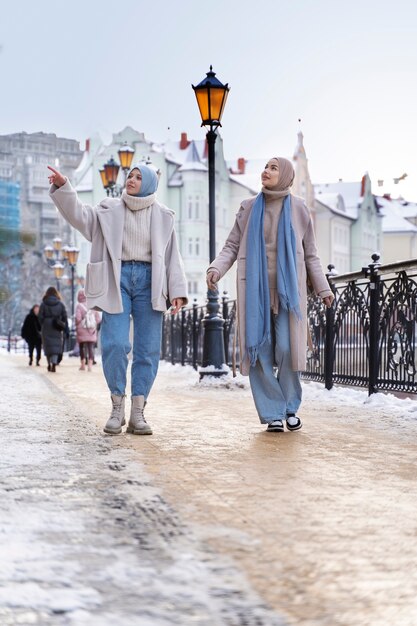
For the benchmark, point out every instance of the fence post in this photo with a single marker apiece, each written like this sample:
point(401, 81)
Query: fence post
point(172, 340)
point(9, 340)
point(374, 295)
point(183, 338)
point(329, 341)
point(225, 308)
point(195, 333)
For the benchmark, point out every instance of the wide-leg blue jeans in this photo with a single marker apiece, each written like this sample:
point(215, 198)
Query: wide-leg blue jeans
point(276, 396)
point(135, 284)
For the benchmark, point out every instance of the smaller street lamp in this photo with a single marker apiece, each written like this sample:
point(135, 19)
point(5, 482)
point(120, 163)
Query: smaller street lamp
point(125, 157)
point(110, 171)
point(57, 258)
point(57, 243)
point(59, 272)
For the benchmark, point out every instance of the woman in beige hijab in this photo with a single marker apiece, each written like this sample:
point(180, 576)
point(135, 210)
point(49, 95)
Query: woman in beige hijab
point(274, 245)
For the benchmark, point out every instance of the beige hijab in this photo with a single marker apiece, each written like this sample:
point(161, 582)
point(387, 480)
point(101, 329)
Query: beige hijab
point(286, 178)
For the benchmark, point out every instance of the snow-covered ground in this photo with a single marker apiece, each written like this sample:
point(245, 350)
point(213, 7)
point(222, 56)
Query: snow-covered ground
point(187, 377)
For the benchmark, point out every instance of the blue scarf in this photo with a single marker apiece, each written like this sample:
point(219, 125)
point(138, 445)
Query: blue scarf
point(258, 314)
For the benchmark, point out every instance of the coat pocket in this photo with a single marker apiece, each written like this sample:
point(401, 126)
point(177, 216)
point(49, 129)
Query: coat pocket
point(97, 279)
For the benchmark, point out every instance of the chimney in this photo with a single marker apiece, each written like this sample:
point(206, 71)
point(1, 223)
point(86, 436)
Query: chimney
point(241, 164)
point(184, 143)
point(87, 145)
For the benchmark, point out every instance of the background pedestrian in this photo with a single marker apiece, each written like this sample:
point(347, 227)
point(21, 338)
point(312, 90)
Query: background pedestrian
point(54, 322)
point(86, 323)
point(31, 333)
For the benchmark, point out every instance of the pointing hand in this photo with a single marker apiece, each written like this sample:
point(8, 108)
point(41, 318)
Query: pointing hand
point(56, 178)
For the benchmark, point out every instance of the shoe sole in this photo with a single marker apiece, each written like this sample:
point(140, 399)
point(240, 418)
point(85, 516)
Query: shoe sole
point(278, 429)
point(291, 428)
point(113, 432)
point(131, 431)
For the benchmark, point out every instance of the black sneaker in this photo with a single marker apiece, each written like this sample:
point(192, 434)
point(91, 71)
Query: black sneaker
point(275, 427)
point(293, 422)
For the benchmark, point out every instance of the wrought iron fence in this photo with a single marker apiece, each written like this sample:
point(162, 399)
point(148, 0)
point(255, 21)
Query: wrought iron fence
point(367, 338)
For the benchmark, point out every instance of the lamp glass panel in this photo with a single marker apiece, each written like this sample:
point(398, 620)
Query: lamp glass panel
point(104, 178)
point(202, 96)
point(217, 102)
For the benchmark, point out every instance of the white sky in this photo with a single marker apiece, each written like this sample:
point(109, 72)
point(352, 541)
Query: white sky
point(347, 69)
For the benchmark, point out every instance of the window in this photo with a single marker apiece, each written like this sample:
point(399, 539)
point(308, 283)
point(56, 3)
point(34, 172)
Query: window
point(197, 207)
point(190, 208)
point(197, 247)
point(190, 246)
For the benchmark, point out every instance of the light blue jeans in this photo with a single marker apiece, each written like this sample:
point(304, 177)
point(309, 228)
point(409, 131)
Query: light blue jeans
point(276, 396)
point(135, 284)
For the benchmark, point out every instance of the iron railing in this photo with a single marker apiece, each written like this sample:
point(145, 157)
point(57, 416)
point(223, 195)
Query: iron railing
point(367, 338)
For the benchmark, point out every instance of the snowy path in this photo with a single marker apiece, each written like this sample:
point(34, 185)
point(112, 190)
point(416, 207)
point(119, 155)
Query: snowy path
point(321, 523)
point(86, 540)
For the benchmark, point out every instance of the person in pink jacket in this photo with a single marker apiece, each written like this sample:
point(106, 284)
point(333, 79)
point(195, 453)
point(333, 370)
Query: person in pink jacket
point(86, 323)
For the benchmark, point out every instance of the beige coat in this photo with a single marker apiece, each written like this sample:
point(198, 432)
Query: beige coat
point(308, 263)
point(103, 226)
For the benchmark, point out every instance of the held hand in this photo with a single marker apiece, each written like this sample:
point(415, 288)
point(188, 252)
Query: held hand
point(328, 301)
point(56, 178)
point(177, 304)
point(212, 278)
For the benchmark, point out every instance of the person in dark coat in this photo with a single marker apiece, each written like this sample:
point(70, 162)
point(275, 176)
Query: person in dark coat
point(53, 320)
point(31, 333)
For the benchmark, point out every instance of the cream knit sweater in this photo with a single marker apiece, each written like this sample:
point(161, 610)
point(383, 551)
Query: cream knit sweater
point(136, 245)
point(273, 208)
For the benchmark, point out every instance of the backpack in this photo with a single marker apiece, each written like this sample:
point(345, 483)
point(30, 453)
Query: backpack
point(89, 320)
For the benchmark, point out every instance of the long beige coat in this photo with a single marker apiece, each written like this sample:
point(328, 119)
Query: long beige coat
point(308, 263)
point(103, 226)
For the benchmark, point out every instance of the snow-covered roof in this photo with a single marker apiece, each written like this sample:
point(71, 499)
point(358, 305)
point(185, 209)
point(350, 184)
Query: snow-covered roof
point(175, 153)
point(349, 192)
point(394, 215)
point(336, 204)
point(251, 178)
point(192, 160)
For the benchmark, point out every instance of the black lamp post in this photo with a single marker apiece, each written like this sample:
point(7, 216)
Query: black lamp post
point(110, 171)
point(211, 97)
point(57, 257)
point(72, 258)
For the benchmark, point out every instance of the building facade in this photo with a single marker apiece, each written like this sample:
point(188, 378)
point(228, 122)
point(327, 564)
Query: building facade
point(23, 161)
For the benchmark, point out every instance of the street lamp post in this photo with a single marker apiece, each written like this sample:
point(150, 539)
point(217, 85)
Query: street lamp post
point(211, 97)
point(110, 171)
point(57, 257)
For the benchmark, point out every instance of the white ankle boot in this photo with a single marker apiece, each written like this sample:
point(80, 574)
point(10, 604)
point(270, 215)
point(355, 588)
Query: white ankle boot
point(117, 417)
point(137, 422)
